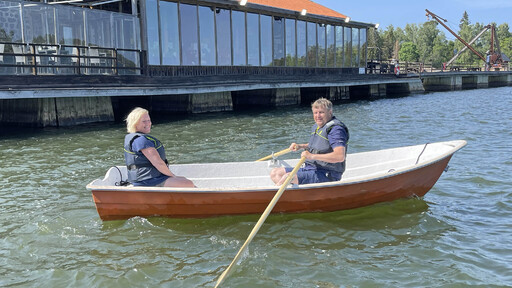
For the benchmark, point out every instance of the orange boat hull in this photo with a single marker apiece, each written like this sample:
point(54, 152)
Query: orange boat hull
point(123, 204)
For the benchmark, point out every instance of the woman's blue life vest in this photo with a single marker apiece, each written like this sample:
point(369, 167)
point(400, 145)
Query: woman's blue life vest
point(139, 167)
point(319, 144)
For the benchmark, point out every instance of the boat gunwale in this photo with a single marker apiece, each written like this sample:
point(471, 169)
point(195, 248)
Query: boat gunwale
point(456, 144)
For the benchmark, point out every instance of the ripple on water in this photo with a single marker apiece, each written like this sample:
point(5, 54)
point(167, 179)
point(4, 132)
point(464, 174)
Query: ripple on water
point(459, 235)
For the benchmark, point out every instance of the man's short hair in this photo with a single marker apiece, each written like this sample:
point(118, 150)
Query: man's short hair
point(322, 103)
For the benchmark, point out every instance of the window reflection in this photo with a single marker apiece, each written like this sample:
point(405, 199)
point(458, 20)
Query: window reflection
point(126, 31)
point(339, 46)
point(291, 51)
point(312, 52)
point(301, 43)
point(355, 47)
point(253, 39)
point(321, 45)
point(39, 24)
point(153, 32)
point(363, 47)
point(70, 27)
point(170, 34)
point(223, 36)
point(207, 35)
point(330, 45)
point(347, 60)
point(278, 41)
point(239, 57)
point(189, 41)
point(266, 40)
point(10, 28)
point(98, 29)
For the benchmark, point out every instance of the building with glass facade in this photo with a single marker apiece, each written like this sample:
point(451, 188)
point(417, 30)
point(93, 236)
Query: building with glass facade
point(224, 33)
point(175, 33)
point(173, 55)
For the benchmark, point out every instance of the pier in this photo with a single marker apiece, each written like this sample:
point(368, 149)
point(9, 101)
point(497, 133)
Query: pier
point(73, 63)
point(49, 101)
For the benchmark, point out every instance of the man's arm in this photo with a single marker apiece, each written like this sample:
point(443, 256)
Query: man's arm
point(337, 155)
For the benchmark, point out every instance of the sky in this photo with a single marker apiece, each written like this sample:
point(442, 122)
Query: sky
point(401, 12)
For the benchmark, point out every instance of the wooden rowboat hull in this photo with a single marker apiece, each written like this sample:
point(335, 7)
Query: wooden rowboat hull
point(118, 203)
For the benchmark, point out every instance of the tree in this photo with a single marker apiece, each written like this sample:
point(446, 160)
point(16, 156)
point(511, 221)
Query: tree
point(427, 34)
point(409, 52)
point(506, 46)
point(466, 32)
point(388, 43)
point(411, 33)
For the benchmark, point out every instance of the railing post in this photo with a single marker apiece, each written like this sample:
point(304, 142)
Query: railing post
point(34, 59)
point(116, 71)
point(79, 60)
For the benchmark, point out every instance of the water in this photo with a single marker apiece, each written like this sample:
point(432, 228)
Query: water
point(458, 235)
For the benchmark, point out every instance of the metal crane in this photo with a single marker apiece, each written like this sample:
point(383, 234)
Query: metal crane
point(494, 58)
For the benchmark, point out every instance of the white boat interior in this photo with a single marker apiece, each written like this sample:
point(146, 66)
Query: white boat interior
point(238, 176)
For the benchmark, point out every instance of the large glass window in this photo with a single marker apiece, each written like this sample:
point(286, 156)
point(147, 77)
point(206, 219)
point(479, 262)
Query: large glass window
point(189, 41)
point(331, 49)
point(39, 24)
point(278, 41)
point(266, 40)
point(355, 47)
point(301, 43)
point(170, 33)
point(223, 21)
point(291, 51)
point(253, 41)
point(152, 32)
point(10, 21)
point(98, 29)
point(364, 46)
point(126, 31)
point(347, 47)
point(207, 35)
point(70, 27)
point(321, 45)
point(339, 46)
point(239, 56)
point(312, 53)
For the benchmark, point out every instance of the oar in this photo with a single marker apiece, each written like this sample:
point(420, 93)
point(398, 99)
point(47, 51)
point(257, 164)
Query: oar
point(282, 152)
point(262, 219)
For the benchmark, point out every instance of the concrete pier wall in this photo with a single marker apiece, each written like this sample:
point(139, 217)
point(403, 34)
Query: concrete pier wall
point(65, 106)
point(471, 80)
point(55, 111)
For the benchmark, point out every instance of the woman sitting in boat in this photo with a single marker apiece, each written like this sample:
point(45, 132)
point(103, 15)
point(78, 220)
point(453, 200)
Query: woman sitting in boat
point(325, 152)
point(145, 155)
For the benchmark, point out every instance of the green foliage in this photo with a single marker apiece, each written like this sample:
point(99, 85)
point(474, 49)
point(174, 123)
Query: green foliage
point(409, 52)
point(506, 46)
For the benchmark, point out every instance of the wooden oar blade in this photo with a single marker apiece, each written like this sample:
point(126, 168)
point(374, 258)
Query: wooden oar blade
point(261, 220)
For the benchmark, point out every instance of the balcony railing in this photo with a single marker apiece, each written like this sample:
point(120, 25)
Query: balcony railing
point(47, 59)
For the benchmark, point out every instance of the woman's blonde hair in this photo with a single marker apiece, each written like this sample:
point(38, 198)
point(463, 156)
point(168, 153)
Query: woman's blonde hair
point(322, 103)
point(133, 119)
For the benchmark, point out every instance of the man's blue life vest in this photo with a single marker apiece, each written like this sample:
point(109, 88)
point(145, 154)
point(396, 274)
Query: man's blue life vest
point(319, 144)
point(139, 167)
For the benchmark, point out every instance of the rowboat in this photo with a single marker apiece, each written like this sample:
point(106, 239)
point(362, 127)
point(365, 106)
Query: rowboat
point(236, 188)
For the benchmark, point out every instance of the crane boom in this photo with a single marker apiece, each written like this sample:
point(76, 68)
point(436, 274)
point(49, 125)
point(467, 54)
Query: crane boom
point(470, 42)
point(437, 18)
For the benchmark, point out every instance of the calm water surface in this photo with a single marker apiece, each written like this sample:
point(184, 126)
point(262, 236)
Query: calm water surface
point(458, 235)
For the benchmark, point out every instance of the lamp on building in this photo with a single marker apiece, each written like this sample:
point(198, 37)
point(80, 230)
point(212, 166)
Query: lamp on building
point(243, 2)
point(347, 19)
point(303, 12)
point(377, 26)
